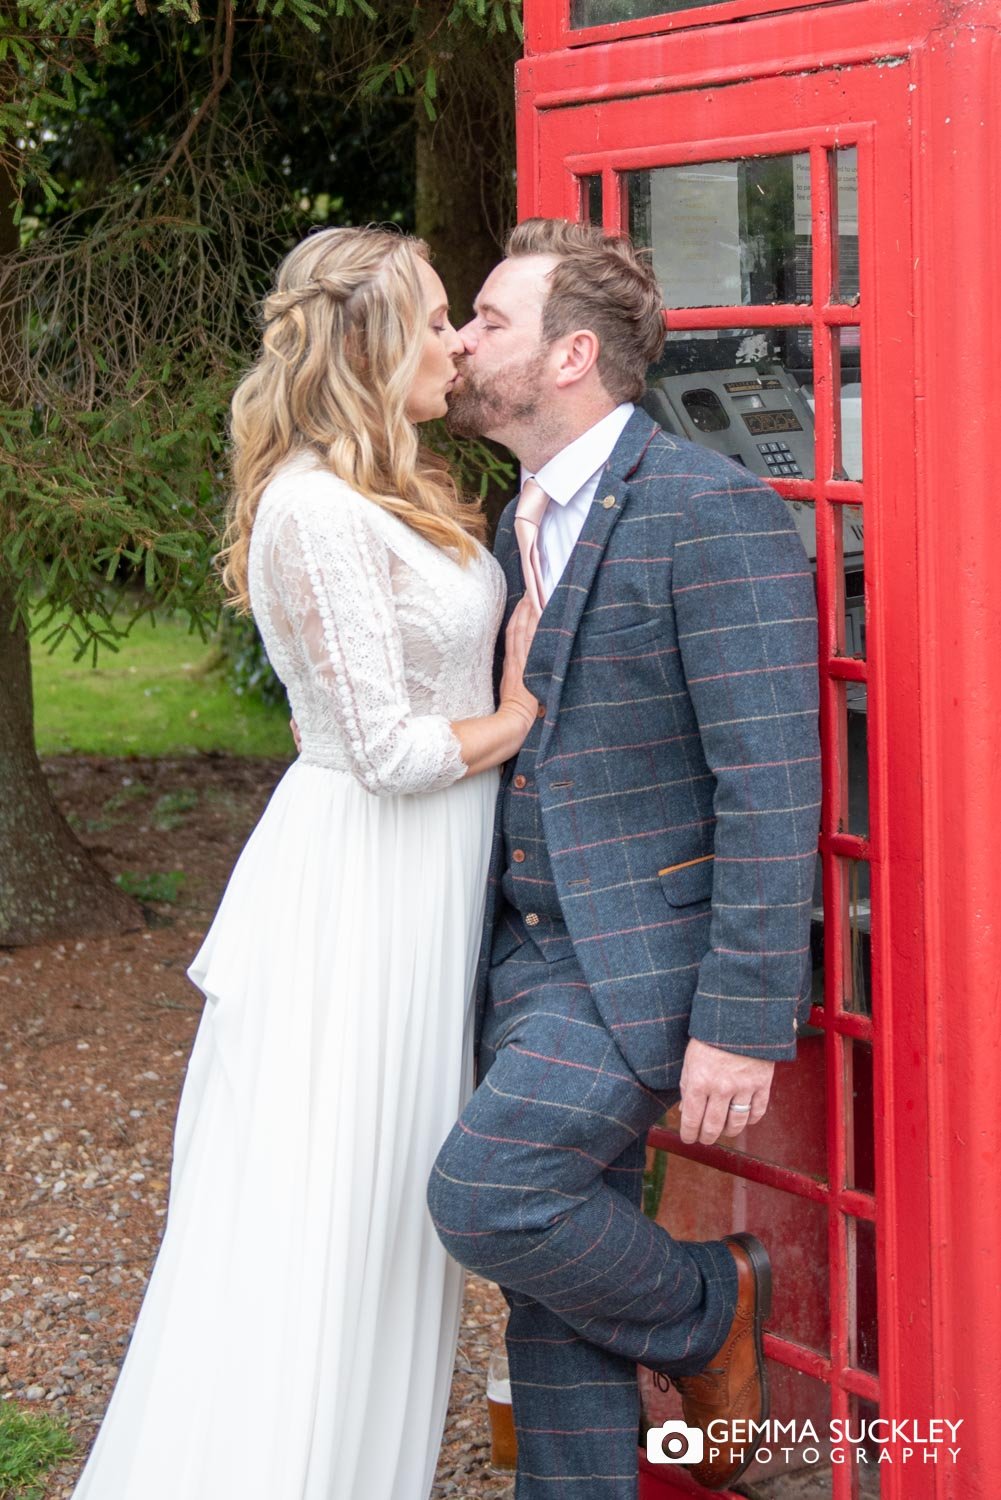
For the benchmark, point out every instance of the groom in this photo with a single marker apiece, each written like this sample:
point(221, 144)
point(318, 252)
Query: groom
point(648, 910)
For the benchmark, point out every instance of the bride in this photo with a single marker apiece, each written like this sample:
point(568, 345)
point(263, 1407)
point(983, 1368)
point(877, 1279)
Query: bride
point(297, 1336)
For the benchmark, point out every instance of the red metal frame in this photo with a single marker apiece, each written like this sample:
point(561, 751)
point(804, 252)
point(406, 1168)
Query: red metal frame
point(912, 85)
point(548, 26)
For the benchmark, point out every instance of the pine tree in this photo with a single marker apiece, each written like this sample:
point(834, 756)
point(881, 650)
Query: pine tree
point(152, 165)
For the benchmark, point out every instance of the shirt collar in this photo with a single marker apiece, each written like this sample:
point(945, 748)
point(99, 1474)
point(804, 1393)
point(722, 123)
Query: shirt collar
point(564, 475)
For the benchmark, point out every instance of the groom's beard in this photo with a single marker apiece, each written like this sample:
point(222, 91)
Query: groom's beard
point(490, 405)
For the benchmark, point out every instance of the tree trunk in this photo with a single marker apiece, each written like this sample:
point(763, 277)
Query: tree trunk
point(465, 165)
point(50, 887)
point(465, 186)
point(449, 214)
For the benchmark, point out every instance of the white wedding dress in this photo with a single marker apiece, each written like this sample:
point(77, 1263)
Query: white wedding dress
point(298, 1334)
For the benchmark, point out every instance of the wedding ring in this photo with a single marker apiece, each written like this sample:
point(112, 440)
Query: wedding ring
point(742, 1109)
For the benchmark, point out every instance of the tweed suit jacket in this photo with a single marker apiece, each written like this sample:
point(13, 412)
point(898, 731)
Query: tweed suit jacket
point(678, 768)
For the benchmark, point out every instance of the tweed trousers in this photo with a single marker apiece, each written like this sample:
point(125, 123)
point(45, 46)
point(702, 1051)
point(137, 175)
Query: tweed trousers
point(538, 1188)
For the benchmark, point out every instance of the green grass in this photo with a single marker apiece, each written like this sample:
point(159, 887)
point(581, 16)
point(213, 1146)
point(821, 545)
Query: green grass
point(159, 694)
point(30, 1443)
point(158, 885)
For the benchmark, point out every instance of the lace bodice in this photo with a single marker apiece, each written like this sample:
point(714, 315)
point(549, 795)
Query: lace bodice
point(380, 637)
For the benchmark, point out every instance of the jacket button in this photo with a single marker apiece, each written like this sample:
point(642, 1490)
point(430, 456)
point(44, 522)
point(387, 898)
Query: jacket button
point(531, 919)
point(520, 782)
point(518, 855)
point(608, 501)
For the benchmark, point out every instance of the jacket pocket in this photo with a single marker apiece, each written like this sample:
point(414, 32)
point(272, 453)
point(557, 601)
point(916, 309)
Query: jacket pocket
point(640, 631)
point(688, 883)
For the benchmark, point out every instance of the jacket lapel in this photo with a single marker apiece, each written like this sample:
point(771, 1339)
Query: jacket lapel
point(565, 608)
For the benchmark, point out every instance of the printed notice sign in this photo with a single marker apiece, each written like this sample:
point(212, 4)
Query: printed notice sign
point(847, 192)
point(695, 228)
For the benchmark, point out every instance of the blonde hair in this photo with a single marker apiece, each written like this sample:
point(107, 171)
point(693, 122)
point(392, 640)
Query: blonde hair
point(342, 342)
point(602, 283)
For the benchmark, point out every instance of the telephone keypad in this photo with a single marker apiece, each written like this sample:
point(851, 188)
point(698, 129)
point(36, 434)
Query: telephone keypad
point(780, 460)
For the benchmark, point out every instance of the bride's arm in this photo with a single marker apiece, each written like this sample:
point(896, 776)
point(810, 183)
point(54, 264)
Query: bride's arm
point(331, 572)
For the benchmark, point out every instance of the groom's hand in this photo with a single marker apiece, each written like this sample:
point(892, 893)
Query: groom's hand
point(712, 1083)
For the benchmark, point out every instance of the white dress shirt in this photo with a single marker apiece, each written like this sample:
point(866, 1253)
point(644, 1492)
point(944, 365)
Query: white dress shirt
point(570, 479)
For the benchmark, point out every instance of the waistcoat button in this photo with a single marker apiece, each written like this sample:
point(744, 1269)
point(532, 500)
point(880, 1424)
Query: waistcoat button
point(518, 855)
point(520, 782)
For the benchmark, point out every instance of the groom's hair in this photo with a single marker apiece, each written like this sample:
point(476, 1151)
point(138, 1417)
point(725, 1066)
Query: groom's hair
point(602, 283)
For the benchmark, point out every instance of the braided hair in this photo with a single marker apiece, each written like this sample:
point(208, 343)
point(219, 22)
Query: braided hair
point(342, 335)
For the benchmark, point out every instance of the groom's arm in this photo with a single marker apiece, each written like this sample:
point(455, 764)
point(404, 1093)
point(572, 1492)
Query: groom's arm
point(746, 617)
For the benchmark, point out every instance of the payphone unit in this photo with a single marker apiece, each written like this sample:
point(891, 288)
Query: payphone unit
point(756, 415)
point(760, 417)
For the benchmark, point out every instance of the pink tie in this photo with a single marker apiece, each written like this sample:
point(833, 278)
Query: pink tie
point(528, 515)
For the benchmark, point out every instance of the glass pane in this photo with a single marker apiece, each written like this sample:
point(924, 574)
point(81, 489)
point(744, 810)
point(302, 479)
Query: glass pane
point(850, 791)
point(846, 283)
point(858, 759)
point(863, 1341)
point(853, 533)
point(860, 1135)
point(742, 393)
point(700, 1203)
point(848, 362)
point(844, 228)
point(817, 935)
point(858, 964)
point(865, 1456)
point(608, 12)
point(724, 233)
point(794, 1465)
point(853, 878)
point(852, 625)
point(836, 767)
point(857, 927)
point(844, 278)
point(591, 199)
point(793, 1133)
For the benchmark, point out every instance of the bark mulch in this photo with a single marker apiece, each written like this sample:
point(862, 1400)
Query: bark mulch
point(96, 1038)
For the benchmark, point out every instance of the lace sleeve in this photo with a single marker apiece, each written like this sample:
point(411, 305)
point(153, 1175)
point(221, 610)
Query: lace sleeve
point(331, 571)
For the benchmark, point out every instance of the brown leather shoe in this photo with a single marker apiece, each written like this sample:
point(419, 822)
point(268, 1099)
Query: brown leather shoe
point(733, 1387)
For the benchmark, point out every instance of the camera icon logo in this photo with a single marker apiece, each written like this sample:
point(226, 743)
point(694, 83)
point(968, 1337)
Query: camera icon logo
point(675, 1443)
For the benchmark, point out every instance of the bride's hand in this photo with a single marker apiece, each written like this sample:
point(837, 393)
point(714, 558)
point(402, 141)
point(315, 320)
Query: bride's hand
point(514, 696)
point(493, 739)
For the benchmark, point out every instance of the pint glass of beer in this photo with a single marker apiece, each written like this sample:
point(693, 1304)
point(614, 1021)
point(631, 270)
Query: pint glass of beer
point(503, 1442)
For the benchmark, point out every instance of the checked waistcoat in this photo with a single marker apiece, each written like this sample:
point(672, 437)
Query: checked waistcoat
point(528, 883)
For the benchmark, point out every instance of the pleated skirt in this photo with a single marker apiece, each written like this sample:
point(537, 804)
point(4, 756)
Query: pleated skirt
point(297, 1336)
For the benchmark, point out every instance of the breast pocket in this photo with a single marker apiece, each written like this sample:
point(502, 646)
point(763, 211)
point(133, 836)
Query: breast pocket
point(624, 639)
point(688, 883)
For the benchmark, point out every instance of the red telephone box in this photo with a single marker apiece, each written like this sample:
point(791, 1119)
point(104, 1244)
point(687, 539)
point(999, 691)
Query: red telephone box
point(820, 186)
